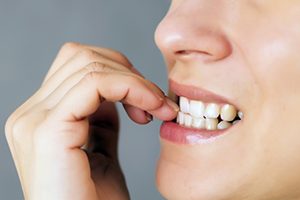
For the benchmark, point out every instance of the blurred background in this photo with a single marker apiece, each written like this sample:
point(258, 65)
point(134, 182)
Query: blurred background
point(32, 32)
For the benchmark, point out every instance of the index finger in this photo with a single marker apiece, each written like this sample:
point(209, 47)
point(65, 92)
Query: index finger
point(69, 50)
point(86, 96)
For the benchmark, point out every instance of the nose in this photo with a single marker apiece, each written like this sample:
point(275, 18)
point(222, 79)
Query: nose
point(192, 28)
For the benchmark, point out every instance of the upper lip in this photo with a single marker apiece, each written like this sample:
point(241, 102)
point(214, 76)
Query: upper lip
point(198, 93)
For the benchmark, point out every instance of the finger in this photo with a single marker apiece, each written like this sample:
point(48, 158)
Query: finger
point(80, 60)
point(66, 53)
point(114, 85)
point(164, 113)
point(113, 54)
point(52, 99)
point(85, 97)
point(137, 115)
point(72, 57)
point(69, 50)
point(56, 95)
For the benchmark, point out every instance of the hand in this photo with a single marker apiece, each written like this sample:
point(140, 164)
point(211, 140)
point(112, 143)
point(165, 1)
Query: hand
point(64, 138)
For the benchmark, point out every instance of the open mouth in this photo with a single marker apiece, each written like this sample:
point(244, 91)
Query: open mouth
point(210, 116)
point(202, 117)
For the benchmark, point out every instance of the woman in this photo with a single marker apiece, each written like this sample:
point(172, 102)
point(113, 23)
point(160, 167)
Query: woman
point(234, 66)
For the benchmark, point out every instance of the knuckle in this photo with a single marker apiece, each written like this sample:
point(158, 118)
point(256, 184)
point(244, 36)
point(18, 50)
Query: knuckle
point(134, 80)
point(15, 129)
point(13, 123)
point(20, 126)
point(121, 58)
point(91, 76)
point(9, 127)
point(96, 67)
point(87, 54)
point(70, 47)
point(140, 100)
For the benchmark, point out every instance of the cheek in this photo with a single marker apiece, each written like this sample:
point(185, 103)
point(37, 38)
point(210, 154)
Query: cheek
point(277, 69)
point(275, 62)
point(273, 55)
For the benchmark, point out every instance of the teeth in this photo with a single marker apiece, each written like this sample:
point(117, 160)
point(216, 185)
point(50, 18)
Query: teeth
point(197, 108)
point(209, 116)
point(184, 105)
point(240, 114)
point(228, 112)
point(188, 120)
point(212, 110)
point(180, 118)
point(198, 123)
point(211, 124)
point(223, 125)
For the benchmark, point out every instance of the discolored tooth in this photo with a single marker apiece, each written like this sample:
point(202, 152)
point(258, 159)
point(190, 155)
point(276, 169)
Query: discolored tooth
point(188, 120)
point(236, 121)
point(197, 108)
point(212, 110)
point(240, 114)
point(198, 123)
point(184, 104)
point(223, 125)
point(180, 118)
point(211, 124)
point(228, 112)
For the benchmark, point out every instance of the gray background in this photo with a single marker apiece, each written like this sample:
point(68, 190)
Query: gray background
point(32, 32)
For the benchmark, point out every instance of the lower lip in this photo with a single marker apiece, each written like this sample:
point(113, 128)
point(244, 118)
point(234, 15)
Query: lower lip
point(178, 134)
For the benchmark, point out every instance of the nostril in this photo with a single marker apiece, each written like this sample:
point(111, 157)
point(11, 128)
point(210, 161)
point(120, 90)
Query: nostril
point(207, 46)
point(188, 55)
point(181, 52)
point(189, 52)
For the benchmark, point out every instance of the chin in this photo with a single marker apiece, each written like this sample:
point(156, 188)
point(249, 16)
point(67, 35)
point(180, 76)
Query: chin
point(188, 179)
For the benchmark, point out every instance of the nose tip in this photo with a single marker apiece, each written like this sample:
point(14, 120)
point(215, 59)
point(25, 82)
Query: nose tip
point(182, 36)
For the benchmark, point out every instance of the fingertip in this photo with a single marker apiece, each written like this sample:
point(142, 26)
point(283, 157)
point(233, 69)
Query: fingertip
point(168, 111)
point(172, 104)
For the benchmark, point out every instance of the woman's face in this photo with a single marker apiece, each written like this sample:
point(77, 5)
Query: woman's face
point(248, 52)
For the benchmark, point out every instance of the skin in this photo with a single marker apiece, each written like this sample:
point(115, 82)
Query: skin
point(246, 51)
point(64, 138)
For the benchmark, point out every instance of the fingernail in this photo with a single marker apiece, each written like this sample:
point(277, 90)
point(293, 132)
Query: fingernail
point(161, 96)
point(149, 116)
point(172, 104)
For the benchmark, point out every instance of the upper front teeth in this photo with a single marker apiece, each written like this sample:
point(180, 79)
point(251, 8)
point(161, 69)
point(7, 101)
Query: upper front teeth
point(197, 114)
point(228, 112)
point(212, 110)
point(184, 105)
point(197, 108)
